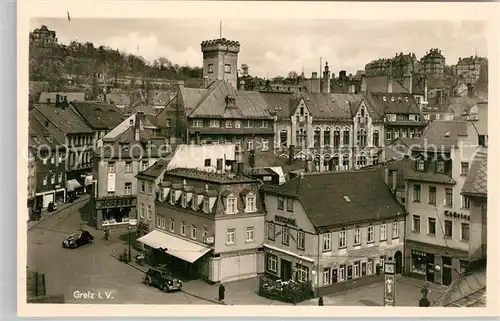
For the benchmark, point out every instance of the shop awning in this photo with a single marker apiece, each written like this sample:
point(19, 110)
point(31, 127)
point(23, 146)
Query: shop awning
point(72, 184)
point(277, 249)
point(182, 249)
point(88, 180)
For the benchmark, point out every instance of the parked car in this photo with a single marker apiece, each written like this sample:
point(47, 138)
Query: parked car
point(78, 239)
point(162, 279)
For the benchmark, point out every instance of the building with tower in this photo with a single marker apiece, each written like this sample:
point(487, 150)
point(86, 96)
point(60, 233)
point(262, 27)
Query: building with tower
point(220, 60)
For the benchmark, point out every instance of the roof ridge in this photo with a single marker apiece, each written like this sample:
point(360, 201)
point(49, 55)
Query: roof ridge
point(209, 92)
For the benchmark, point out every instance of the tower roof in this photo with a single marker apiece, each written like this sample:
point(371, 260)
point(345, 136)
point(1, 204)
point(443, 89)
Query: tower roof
point(222, 44)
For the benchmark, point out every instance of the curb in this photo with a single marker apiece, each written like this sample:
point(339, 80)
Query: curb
point(140, 268)
point(80, 200)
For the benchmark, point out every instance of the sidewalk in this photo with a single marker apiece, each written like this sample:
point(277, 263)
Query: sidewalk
point(45, 214)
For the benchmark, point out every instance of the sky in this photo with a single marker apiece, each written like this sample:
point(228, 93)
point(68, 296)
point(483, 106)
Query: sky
point(273, 47)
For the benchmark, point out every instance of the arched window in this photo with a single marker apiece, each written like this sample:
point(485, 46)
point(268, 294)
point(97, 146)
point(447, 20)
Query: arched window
point(335, 161)
point(336, 137)
point(326, 136)
point(347, 135)
point(327, 162)
point(317, 137)
point(345, 161)
point(361, 160)
point(376, 138)
point(362, 137)
point(283, 138)
point(317, 161)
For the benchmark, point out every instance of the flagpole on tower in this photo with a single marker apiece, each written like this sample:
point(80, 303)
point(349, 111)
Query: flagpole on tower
point(220, 29)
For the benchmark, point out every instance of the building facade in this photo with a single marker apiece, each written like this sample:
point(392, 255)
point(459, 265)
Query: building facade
point(126, 150)
point(208, 225)
point(469, 68)
point(43, 37)
point(311, 238)
point(220, 60)
point(433, 63)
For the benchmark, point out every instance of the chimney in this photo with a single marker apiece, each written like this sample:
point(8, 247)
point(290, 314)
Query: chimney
point(326, 80)
point(48, 100)
point(58, 100)
point(290, 154)
point(64, 103)
point(352, 89)
point(242, 85)
point(389, 84)
point(240, 168)
point(363, 83)
point(137, 125)
point(425, 89)
point(314, 75)
point(410, 85)
point(394, 180)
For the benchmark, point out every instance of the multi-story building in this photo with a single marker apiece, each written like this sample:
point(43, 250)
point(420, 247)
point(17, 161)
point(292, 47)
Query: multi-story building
point(126, 150)
point(220, 60)
point(398, 66)
point(432, 63)
point(469, 68)
point(46, 166)
point(439, 233)
point(208, 225)
point(332, 234)
point(71, 132)
point(43, 37)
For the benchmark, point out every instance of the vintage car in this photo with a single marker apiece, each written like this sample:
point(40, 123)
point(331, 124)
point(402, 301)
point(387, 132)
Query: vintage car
point(77, 239)
point(162, 279)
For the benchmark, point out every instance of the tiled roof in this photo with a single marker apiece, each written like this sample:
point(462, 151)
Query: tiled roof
point(213, 103)
point(280, 103)
point(467, 290)
point(477, 178)
point(190, 97)
point(443, 134)
point(378, 84)
point(161, 99)
point(323, 196)
point(98, 115)
point(117, 99)
point(154, 171)
point(74, 96)
point(331, 106)
point(401, 103)
point(35, 128)
point(216, 178)
point(461, 105)
point(65, 119)
point(407, 169)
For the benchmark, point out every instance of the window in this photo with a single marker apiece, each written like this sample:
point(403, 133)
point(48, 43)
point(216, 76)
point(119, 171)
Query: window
point(248, 123)
point(59, 177)
point(208, 162)
point(128, 167)
point(183, 228)
point(172, 225)
point(448, 229)
point(283, 138)
point(150, 188)
point(383, 232)
point(416, 224)
point(285, 233)
point(464, 169)
point(448, 197)
point(395, 230)
point(197, 123)
point(345, 161)
point(271, 231)
point(250, 204)
point(465, 202)
point(289, 205)
point(141, 210)
point(272, 263)
point(464, 235)
point(382, 261)
point(184, 200)
point(388, 135)
point(357, 236)
point(128, 188)
point(302, 273)
point(432, 195)
point(250, 236)
point(52, 178)
point(361, 161)
point(214, 123)
point(111, 167)
point(356, 269)
point(440, 166)
point(317, 137)
point(342, 273)
point(231, 205)
point(326, 276)
point(206, 205)
point(327, 242)
point(431, 227)
point(230, 239)
point(416, 193)
point(336, 137)
point(376, 138)
point(193, 232)
point(237, 124)
point(369, 267)
point(150, 212)
point(420, 165)
point(265, 145)
point(281, 203)
point(143, 187)
point(362, 137)
point(301, 240)
point(371, 234)
point(347, 135)
point(327, 138)
point(342, 239)
point(229, 124)
point(250, 145)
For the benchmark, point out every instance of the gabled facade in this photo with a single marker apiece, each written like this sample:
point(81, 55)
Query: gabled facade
point(310, 237)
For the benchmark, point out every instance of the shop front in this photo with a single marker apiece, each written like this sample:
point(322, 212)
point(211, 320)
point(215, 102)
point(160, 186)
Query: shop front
point(433, 263)
point(184, 258)
point(43, 199)
point(286, 265)
point(115, 210)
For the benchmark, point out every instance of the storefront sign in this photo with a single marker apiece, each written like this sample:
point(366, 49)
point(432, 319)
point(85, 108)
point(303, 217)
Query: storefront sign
point(389, 284)
point(364, 252)
point(286, 220)
point(113, 203)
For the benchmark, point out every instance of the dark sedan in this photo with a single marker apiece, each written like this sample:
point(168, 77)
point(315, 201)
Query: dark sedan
point(77, 239)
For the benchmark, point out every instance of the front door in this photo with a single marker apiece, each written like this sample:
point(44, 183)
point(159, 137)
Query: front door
point(446, 270)
point(429, 277)
point(398, 256)
point(286, 270)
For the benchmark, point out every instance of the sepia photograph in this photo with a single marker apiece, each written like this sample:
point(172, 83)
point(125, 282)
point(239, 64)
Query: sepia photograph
point(239, 162)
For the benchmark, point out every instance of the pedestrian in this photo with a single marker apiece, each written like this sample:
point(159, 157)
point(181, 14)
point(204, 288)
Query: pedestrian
point(320, 301)
point(222, 291)
point(424, 302)
point(106, 233)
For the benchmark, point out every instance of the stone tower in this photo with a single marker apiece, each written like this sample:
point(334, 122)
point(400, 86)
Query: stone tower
point(220, 60)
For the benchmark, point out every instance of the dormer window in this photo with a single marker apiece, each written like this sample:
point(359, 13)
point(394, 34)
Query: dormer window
point(420, 165)
point(231, 205)
point(194, 202)
point(184, 200)
point(250, 202)
point(440, 166)
point(206, 205)
point(172, 197)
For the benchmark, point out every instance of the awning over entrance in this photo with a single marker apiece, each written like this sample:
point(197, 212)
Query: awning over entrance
point(182, 249)
point(72, 184)
point(88, 180)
